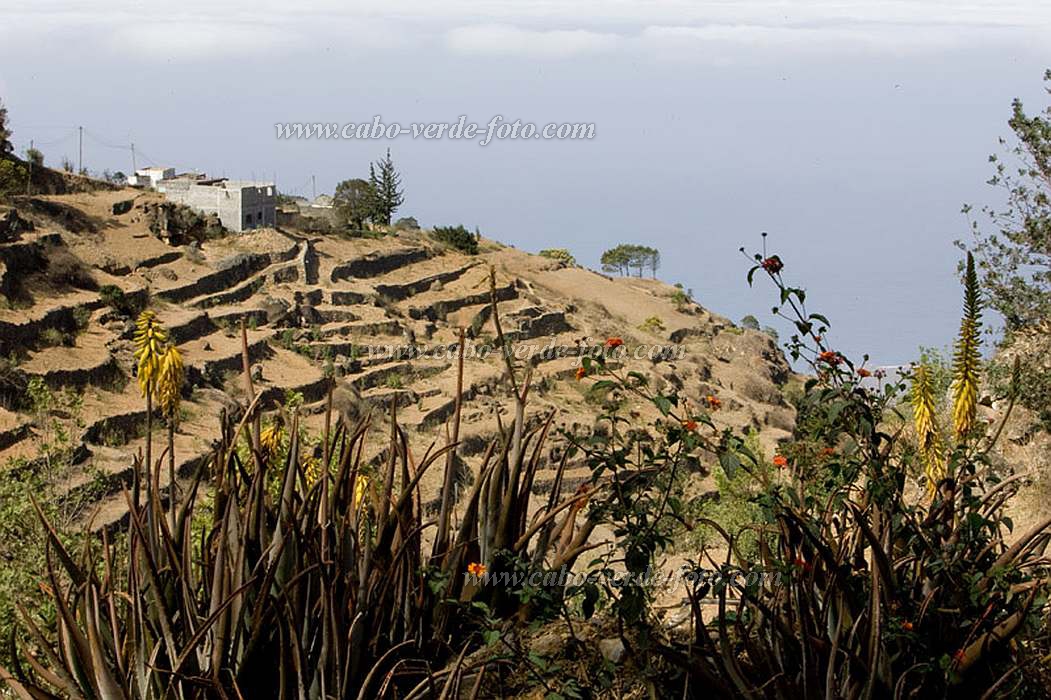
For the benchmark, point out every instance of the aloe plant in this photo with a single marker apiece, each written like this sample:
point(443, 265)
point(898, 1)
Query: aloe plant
point(318, 588)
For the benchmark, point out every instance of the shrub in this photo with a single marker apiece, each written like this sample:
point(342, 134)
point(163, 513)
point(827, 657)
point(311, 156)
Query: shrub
point(458, 237)
point(13, 177)
point(681, 298)
point(81, 317)
point(653, 324)
point(735, 508)
point(35, 157)
point(50, 337)
point(34, 484)
point(879, 589)
point(560, 254)
point(1031, 349)
point(114, 297)
point(750, 322)
point(870, 588)
point(407, 223)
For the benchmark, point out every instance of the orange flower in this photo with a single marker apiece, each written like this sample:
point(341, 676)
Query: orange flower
point(690, 424)
point(862, 372)
point(780, 461)
point(907, 626)
point(828, 452)
point(713, 402)
point(581, 373)
point(476, 569)
point(773, 264)
point(614, 342)
point(830, 357)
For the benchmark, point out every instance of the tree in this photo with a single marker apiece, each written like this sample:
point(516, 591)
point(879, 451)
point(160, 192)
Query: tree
point(1015, 260)
point(353, 201)
point(388, 194)
point(654, 261)
point(1013, 257)
point(616, 259)
point(628, 256)
point(5, 131)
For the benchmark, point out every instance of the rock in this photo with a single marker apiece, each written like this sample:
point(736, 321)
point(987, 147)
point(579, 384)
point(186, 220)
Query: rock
point(760, 390)
point(275, 308)
point(780, 418)
point(257, 373)
point(177, 224)
point(612, 649)
point(168, 274)
point(207, 347)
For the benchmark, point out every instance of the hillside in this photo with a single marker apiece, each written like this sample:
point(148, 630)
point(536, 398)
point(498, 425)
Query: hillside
point(313, 305)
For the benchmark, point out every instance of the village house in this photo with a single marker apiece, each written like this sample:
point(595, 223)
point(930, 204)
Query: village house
point(240, 204)
point(150, 177)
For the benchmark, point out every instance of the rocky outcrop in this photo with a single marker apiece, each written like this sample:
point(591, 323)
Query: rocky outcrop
point(178, 224)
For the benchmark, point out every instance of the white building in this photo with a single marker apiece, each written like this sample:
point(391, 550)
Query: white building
point(149, 177)
point(239, 204)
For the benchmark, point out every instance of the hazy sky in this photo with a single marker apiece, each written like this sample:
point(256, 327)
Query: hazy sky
point(851, 131)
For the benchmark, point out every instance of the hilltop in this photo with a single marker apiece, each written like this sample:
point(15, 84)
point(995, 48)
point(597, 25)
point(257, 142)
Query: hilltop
point(75, 267)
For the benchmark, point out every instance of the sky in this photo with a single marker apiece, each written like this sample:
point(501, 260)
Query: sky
point(851, 132)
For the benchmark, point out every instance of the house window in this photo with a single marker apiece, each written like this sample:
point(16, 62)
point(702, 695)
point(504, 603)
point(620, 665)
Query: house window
point(248, 220)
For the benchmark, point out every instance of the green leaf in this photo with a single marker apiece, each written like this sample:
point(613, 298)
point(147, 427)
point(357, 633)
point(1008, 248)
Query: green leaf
point(730, 463)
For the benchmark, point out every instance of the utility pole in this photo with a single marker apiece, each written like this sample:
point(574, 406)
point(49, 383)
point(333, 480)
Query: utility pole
point(134, 166)
point(80, 150)
point(313, 187)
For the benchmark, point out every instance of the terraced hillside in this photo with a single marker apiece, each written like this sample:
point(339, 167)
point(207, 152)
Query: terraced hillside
point(316, 309)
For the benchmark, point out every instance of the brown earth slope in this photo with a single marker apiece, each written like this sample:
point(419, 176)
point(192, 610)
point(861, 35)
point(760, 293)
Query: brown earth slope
point(314, 306)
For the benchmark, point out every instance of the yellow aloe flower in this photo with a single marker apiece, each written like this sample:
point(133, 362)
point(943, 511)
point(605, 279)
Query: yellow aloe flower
point(270, 439)
point(150, 342)
point(312, 470)
point(361, 485)
point(927, 435)
point(170, 379)
point(967, 357)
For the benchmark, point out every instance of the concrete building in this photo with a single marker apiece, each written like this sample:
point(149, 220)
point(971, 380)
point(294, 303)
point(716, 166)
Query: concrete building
point(240, 205)
point(150, 177)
